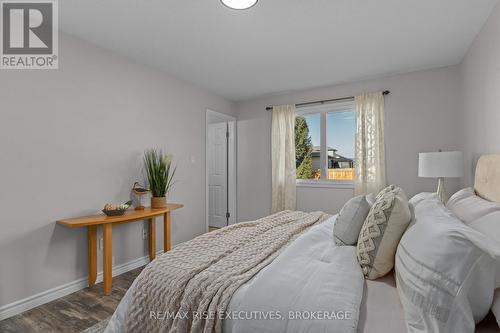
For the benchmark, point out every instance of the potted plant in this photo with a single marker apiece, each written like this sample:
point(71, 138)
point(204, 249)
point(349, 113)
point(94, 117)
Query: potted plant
point(160, 173)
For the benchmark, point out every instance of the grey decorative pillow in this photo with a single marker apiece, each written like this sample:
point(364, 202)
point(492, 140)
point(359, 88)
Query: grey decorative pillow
point(350, 220)
point(383, 228)
point(370, 198)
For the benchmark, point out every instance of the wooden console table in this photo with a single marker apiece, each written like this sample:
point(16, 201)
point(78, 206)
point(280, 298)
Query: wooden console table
point(91, 222)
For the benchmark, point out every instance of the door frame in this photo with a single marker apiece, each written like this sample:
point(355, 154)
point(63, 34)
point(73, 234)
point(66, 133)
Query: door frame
point(232, 173)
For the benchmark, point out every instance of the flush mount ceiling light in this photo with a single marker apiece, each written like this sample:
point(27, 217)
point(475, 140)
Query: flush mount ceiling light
point(239, 4)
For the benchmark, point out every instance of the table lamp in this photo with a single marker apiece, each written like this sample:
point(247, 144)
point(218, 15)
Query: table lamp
point(440, 165)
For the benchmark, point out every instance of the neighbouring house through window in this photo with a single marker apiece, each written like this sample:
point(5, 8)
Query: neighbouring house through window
point(324, 142)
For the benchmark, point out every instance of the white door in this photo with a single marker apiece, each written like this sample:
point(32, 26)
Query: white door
point(217, 175)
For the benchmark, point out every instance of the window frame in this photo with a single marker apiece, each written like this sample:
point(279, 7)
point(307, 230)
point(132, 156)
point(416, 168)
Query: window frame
point(323, 110)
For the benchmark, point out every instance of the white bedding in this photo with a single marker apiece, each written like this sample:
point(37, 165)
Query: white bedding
point(315, 278)
point(445, 270)
point(312, 276)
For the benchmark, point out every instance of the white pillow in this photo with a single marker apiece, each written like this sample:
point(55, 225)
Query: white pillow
point(419, 197)
point(468, 207)
point(350, 220)
point(445, 271)
point(488, 225)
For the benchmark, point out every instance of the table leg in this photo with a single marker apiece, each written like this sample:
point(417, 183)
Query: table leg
point(92, 253)
point(166, 232)
point(152, 239)
point(107, 258)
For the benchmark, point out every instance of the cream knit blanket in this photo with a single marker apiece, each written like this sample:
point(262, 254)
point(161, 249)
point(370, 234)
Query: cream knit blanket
point(188, 288)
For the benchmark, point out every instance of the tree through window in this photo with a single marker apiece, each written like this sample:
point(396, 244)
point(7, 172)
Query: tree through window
point(305, 128)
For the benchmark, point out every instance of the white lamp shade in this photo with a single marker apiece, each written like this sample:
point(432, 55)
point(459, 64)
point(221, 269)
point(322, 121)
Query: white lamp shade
point(449, 164)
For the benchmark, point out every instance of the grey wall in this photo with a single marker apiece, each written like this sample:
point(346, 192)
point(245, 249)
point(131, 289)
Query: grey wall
point(72, 140)
point(481, 94)
point(423, 113)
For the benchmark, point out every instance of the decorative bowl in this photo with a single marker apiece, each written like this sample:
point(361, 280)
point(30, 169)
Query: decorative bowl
point(116, 212)
point(119, 211)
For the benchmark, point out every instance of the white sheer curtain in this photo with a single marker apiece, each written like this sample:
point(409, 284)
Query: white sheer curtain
point(369, 151)
point(283, 158)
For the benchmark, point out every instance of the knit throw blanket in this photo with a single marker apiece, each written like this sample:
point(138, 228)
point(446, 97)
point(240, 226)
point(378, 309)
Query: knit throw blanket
point(188, 288)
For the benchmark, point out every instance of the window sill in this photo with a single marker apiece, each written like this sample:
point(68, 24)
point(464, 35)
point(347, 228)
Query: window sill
point(325, 184)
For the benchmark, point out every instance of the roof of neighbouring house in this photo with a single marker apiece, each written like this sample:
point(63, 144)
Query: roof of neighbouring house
point(332, 153)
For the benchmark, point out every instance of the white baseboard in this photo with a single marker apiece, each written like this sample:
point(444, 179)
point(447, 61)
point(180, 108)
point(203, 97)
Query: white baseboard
point(31, 302)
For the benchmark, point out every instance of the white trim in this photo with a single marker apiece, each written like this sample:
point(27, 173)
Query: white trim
point(33, 301)
point(325, 184)
point(326, 108)
point(233, 200)
point(220, 115)
point(323, 156)
point(233, 207)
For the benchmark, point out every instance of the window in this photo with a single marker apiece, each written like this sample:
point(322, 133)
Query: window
point(324, 142)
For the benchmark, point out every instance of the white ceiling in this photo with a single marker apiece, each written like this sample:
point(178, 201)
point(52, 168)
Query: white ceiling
point(280, 45)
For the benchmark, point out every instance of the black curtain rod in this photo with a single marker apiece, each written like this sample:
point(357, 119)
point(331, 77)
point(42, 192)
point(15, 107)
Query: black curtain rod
point(269, 108)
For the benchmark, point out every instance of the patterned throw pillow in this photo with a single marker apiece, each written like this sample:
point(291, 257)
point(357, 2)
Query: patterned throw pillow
point(383, 228)
point(350, 220)
point(386, 190)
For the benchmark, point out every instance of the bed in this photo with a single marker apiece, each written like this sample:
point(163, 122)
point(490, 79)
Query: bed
point(309, 273)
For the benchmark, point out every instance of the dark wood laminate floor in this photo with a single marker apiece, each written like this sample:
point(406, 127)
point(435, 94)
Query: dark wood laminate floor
point(73, 313)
